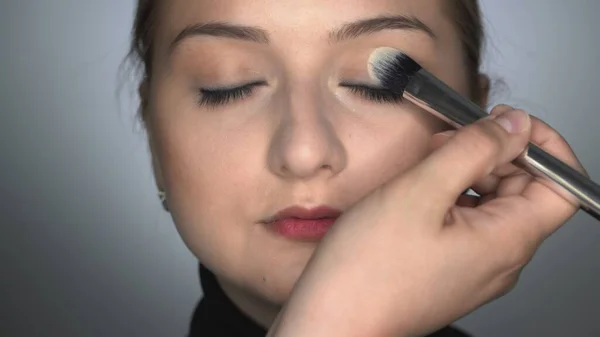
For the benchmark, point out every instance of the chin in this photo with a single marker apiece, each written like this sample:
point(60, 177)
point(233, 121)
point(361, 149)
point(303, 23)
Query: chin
point(275, 284)
point(265, 267)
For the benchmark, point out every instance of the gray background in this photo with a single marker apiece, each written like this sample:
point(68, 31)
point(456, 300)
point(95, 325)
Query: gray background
point(85, 249)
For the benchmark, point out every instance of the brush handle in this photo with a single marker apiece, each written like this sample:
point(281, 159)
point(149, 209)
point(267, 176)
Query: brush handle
point(540, 163)
point(431, 94)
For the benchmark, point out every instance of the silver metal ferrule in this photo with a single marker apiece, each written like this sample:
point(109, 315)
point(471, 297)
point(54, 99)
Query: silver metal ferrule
point(433, 95)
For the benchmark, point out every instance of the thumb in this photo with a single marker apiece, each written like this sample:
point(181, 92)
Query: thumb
point(471, 154)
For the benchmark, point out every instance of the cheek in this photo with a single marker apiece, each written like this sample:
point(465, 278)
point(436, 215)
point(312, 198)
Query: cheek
point(206, 157)
point(207, 168)
point(211, 170)
point(389, 147)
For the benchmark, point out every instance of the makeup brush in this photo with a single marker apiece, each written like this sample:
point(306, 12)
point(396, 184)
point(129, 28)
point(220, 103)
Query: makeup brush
point(397, 72)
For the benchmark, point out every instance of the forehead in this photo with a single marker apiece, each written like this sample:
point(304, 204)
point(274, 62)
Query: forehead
point(295, 20)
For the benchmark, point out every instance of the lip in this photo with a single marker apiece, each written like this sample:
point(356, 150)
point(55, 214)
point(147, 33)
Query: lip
point(301, 223)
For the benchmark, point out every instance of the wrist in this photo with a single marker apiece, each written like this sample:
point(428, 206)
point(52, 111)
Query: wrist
point(324, 315)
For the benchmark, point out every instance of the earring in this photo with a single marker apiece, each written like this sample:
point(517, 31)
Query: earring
point(162, 195)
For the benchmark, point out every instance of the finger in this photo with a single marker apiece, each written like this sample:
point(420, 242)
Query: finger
point(514, 180)
point(500, 109)
point(552, 209)
point(514, 184)
point(536, 210)
point(470, 155)
point(502, 170)
point(483, 186)
point(466, 200)
point(552, 142)
point(486, 185)
point(439, 139)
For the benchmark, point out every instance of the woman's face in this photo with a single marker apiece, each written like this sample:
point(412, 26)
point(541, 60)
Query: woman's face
point(300, 135)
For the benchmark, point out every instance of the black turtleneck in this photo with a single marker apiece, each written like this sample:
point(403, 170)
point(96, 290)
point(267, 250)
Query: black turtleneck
point(217, 316)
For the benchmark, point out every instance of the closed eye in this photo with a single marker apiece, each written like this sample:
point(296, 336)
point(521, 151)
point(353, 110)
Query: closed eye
point(374, 94)
point(220, 96)
point(223, 95)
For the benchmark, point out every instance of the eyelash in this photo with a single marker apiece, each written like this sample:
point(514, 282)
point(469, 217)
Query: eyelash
point(221, 96)
point(373, 94)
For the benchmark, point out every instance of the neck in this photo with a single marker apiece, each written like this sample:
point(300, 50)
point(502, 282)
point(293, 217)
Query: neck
point(260, 311)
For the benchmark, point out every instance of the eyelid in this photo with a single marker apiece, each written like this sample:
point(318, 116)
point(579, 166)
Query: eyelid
point(218, 96)
point(372, 93)
point(360, 85)
point(233, 87)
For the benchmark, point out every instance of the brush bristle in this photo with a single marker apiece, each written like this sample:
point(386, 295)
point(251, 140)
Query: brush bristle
point(392, 69)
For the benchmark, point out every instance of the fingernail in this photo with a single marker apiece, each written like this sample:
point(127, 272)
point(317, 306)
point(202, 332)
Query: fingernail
point(447, 134)
point(513, 121)
point(499, 109)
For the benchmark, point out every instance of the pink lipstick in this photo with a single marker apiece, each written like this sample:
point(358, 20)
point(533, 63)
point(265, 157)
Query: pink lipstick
point(299, 223)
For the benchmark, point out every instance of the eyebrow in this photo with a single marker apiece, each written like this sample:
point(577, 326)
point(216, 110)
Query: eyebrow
point(223, 29)
point(356, 29)
point(348, 31)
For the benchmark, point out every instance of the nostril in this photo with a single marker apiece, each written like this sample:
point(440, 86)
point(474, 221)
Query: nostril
point(327, 167)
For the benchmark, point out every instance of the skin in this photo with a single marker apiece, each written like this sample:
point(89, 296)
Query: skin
point(425, 259)
point(299, 140)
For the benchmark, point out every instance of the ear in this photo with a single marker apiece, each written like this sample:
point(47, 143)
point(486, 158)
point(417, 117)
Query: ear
point(144, 94)
point(484, 90)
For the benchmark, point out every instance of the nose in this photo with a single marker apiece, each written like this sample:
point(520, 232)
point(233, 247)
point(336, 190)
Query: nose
point(305, 143)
